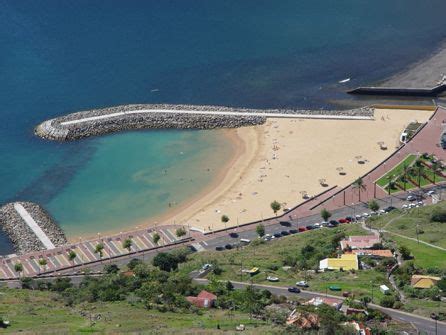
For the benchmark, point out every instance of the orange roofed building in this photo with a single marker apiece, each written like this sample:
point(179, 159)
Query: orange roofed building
point(204, 300)
point(360, 242)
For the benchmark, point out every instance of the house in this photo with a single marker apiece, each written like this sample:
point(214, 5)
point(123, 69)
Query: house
point(374, 253)
point(333, 302)
point(360, 242)
point(360, 328)
point(345, 262)
point(204, 300)
point(303, 320)
point(421, 281)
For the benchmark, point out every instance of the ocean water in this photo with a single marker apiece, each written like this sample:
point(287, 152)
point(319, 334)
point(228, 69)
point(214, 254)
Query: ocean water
point(60, 56)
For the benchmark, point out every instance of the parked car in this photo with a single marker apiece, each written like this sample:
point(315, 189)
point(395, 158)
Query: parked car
point(293, 231)
point(334, 288)
point(277, 235)
point(411, 197)
point(365, 215)
point(382, 211)
point(272, 278)
point(334, 222)
point(343, 221)
point(268, 237)
point(284, 233)
point(206, 266)
point(302, 229)
point(430, 193)
point(349, 219)
point(389, 209)
point(310, 227)
point(219, 248)
point(285, 223)
point(228, 246)
point(302, 283)
point(294, 289)
point(233, 235)
point(317, 225)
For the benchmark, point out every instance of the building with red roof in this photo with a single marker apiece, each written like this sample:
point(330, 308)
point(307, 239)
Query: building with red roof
point(203, 300)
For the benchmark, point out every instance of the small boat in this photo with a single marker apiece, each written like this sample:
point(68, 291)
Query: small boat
point(346, 80)
point(154, 90)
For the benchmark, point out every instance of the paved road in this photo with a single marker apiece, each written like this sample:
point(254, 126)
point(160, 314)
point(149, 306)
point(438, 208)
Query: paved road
point(424, 325)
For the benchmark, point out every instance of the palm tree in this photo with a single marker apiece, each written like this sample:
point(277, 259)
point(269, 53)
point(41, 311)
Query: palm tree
point(71, 256)
point(156, 237)
point(42, 263)
point(275, 206)
point(420, 172)
point(359, 184)
point(180, 232)
point(436, 167)
point(99, 249)
point(18, 267)
point(406, 170)
point(389, 181)
point(127, 244)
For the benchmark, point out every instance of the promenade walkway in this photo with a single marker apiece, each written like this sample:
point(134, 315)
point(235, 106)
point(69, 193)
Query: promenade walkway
point(221, 113)
point(57, 258)
point(34, 226)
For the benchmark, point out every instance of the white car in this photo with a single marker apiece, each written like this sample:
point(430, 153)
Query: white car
point(302, 283)
point(420, 203)
point(382, 211)
point(206, 266)
point(430, 193)
point(410, 198)
point(365, 215)
point(272, 278)
point(317, 225)
point(358, 217)
point(405, 206)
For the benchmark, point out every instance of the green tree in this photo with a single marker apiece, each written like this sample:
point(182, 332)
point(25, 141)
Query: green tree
point(225, 219)
point(71, 256)
point(260, 230)
point(406, 170)
point(405, 252)
point(390, 183)
point(373, 205)
point(387, 301)
point(436, 168)
point(156, 237)
point(325, 214)
point(275, 206)
point(420, 173)
point(99, 249)
point(360, 186)
point(165, 261)
point(181, 232)
point(18, 267)
point(42, 263)
point(127, 244)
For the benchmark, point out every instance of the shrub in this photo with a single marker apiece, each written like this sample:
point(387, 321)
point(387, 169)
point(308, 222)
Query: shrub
point(387, 301)
point(438, 215)
point(133, 263)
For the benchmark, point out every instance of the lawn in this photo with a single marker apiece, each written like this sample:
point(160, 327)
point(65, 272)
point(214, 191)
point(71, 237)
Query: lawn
point(424, 256)
point(397, 170)
point(405, 223)
point(42, 312)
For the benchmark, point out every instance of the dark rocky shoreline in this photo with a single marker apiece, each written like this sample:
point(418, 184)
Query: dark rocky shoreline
point(22, 237)
point(54, 129)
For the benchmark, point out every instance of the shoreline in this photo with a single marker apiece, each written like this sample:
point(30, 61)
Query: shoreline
point(238, 144)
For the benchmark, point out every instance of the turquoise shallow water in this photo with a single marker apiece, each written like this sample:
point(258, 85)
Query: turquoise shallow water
point(60, 56)
point(137, 175)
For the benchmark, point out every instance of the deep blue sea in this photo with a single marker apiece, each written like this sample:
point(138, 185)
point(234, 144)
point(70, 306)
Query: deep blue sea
point(60, 56)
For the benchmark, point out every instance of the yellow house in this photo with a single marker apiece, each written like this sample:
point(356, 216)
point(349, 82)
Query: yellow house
point(345, 262)
point(421, 281)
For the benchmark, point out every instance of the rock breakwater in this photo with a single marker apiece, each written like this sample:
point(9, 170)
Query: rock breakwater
point(23, 238)
point(145, 116)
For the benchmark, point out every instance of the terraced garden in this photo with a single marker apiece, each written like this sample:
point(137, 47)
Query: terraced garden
point(413, 172)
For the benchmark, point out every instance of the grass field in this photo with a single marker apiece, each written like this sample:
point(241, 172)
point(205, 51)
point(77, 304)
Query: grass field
point(405, 223)
point(397, 170)
point(35, 312)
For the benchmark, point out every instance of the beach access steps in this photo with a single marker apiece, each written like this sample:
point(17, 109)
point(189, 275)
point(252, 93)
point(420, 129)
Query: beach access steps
point(32, 224)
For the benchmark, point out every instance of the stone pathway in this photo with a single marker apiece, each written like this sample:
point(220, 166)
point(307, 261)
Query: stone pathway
point(33, 226)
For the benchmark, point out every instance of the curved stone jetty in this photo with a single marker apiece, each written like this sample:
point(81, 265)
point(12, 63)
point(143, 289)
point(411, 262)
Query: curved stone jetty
point(30, 227)
point(107, 120)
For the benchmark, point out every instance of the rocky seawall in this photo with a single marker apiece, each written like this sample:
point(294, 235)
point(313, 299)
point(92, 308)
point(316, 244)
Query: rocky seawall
point(65, 128)
point(23, 238)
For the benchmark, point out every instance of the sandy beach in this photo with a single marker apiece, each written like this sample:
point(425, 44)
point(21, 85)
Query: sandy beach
point(284, 159)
